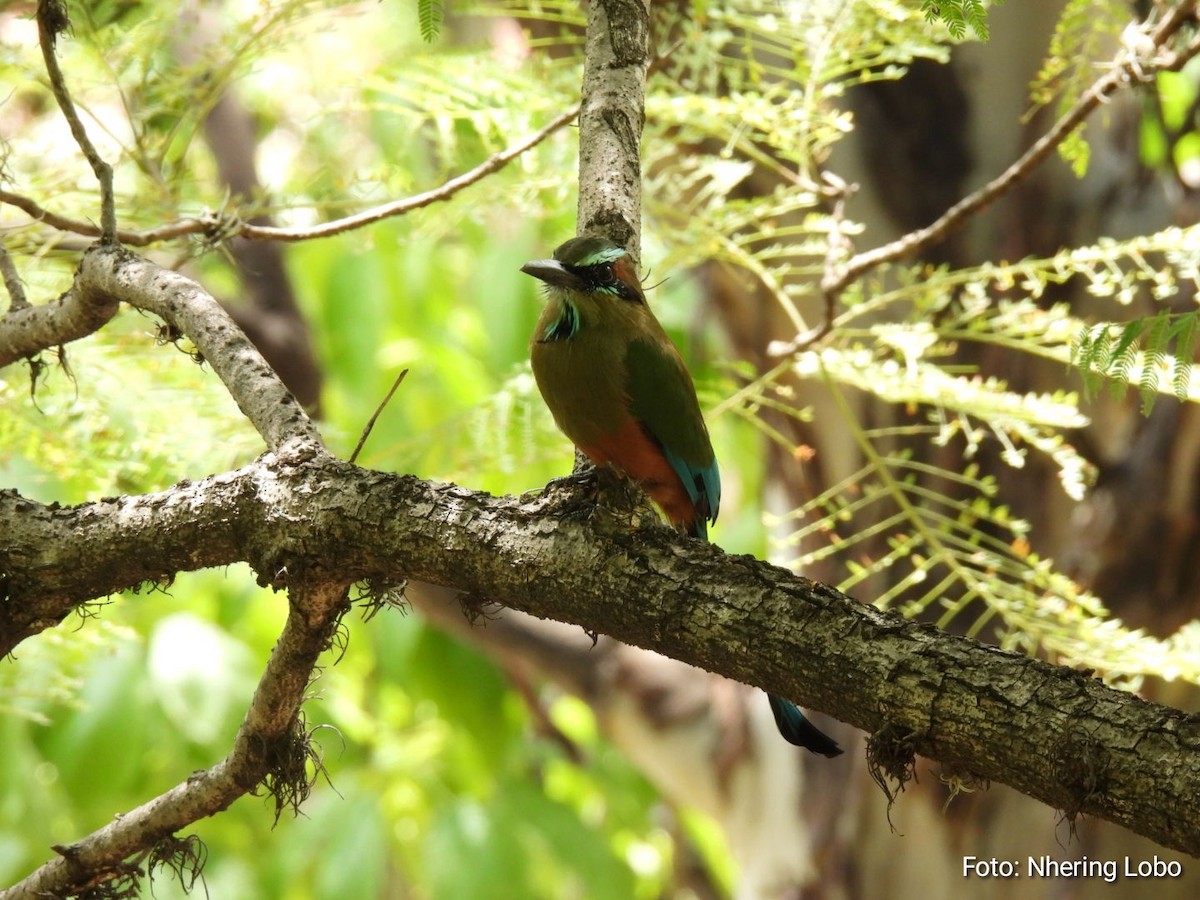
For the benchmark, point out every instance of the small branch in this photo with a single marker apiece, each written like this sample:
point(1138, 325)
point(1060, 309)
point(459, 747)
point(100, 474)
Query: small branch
point(1129, 68)
point(52, 20)
point(1129, 71)
point(271, 749)
point(204, 225)
point(116, 274)
point(837, 250)
point(366, 432)
point(223, 226)
point(28, 330)
point(12, 281)
point(399, 207)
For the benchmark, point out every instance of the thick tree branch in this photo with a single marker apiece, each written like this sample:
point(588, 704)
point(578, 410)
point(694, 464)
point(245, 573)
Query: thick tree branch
point(616, 58)
point(108, 276)
point(50, 582)
point(1053, 733)
point(271, 749)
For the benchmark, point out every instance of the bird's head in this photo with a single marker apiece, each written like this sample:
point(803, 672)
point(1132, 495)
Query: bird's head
point(591, 266)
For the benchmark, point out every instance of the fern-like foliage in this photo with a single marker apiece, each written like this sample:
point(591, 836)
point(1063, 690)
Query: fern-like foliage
point(1153, 354)
point(430, 15)
point(958, 16)
point(953, 552)
point(924, 537)
point(1086, 30)
point(938, 542)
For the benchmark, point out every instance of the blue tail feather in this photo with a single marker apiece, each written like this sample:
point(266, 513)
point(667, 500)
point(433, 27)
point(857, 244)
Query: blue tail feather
point(796, 728)
point(704, 488)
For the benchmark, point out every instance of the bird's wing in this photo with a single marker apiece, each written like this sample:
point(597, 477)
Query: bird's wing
point(663, 399)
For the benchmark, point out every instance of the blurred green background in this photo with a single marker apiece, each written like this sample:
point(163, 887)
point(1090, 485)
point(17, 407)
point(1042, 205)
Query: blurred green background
point(436, 782)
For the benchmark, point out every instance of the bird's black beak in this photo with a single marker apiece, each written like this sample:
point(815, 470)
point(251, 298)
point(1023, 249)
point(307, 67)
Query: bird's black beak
point(552, 272)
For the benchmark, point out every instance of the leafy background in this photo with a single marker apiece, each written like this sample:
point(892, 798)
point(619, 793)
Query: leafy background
point(431, 759)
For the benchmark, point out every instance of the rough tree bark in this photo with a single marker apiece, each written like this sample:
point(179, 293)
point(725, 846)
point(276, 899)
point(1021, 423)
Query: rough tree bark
point(1054, 733)
point(298, 512)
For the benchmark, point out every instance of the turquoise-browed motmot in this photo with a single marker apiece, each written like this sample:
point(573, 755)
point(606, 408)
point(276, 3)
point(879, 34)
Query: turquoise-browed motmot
point(619, 389)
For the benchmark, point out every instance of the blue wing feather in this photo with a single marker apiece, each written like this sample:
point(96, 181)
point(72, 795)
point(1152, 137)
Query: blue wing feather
point(663, 399)
point(703, 484)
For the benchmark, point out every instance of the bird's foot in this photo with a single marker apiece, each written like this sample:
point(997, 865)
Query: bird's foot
point(585, 480)
point(570, 494)
point(590, 488)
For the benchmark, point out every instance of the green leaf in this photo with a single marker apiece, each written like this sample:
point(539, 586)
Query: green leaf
point(1085, 32)
point(1186, 338)
point(430, 14)
point(471, 851)
point(1154, 360)
point(957, 16)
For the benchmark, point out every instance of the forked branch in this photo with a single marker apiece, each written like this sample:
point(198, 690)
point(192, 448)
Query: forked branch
point(272, 750)
point(52, 21)
point(1137, 62)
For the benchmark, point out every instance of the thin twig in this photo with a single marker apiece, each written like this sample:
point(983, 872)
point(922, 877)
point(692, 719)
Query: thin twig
point(39, 213)
point(1127, 69)
point(492, 164)
point(52, 20)
point(230, 227)
point(12, 281)
point(659, 63)
point(837, 250)
point(366, 432)
point(1126, 72)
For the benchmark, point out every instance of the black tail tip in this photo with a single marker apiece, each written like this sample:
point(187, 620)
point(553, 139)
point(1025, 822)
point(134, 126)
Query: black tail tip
point(796, 729)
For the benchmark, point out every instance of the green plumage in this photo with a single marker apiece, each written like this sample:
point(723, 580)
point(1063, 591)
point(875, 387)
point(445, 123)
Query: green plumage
point(618, 388)
point(615, 383)
point(583, 378)
point(662, 398)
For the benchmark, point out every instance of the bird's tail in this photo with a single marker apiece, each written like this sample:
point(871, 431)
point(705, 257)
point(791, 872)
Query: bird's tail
point(796, 728)
point(792, 723)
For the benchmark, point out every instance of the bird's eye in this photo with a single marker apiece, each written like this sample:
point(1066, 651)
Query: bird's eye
point(605, 275)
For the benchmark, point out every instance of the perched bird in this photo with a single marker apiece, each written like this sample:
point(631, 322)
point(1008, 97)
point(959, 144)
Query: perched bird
point(619, 389)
